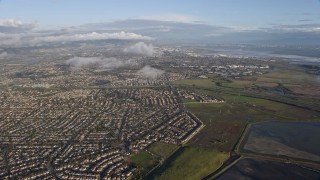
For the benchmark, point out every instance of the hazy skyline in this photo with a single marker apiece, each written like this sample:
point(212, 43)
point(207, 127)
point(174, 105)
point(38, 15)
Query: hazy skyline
point(249, 14)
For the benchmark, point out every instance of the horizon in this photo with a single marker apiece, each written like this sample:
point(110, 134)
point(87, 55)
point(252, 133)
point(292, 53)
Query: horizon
point(244, 15)
point(32, 23)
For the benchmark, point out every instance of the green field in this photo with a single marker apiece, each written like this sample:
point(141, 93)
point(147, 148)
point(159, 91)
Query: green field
point(238, 84)
point(294, 83)
point(163, 150)
point(212, 83)
point(266, 104)
point(209, 104)
point(188, 101)
point(247, 100)
point(193, 163)
point(222, 125)
point(287, 77)
point(207, 83)
point(264, 99)
point(225, 121)
point(278, 110)
point(144, 163)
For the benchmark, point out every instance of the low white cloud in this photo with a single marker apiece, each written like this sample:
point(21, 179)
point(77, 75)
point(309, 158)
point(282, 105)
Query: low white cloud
point(37, 38)
point(80, 62)
point(183, 18)
point(163, 29)
point(92, 36)
point(244, 28)
point(140, 48)
point(213, 35)
point(3, 54)
point(150, 72)
point(15, 24)
point(10, 39)
point(10, 22)
point(297, 28)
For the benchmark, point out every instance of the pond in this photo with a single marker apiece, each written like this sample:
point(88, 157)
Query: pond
point(299, 140)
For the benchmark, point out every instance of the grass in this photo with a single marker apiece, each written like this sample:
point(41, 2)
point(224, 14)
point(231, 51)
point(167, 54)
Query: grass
point(269, 105)
point(204, 83)
point(163, 150)
point(225, 121)
point(196, 105)
point(144, 163)
point(287, 77)
point(193, 163)
point(224, 125)
point(240, 84)
point(278, 110)
point(211, 83)
point(189, 100)
point(267, 85)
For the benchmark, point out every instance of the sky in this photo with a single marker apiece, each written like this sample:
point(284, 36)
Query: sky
point(34, 22)
point(229, 13)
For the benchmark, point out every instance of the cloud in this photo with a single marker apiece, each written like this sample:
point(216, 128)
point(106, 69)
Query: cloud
point(300, 14)
point(80, 62)
point(10, 39)
point(213, 35)
point(92, 36)
point(305, 20)
point(183, 18)
point(150, 72)
point(164, 31)
point(15, 25)
point(297, 28)
point(38, 38)
point(3, 55)
point(244, 28)
point(140, 48)
point(10, 23)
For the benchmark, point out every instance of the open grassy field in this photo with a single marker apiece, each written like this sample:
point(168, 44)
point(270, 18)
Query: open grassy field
point(297, 82)
point(266, 104)
point(293, 82)
point(237, 84)
point(223, 127)
point(277, 109)
point(246, 102)
point(189, 100)
point(162, 149)
point(144, 163)
point(225, 121)
point(268, 96)
point(287, 77)
point(204, 83)
point(192, 163)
